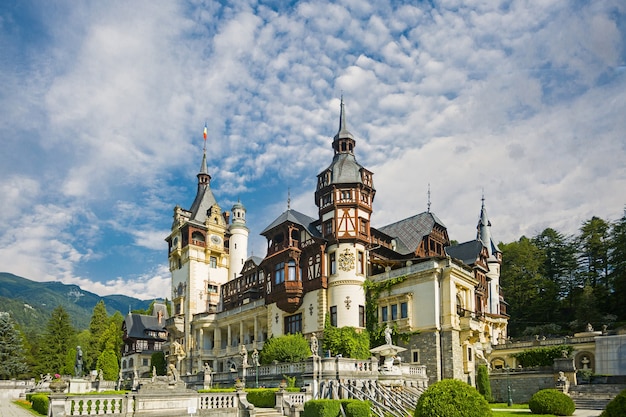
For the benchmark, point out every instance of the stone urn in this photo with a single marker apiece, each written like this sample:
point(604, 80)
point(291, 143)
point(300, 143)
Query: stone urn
point(58, 385)
point(239, 385)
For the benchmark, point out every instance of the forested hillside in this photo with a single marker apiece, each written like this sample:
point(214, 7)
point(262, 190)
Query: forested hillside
point(31, 303)
point(556, 284)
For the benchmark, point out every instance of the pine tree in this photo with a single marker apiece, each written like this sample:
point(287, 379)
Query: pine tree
point(107, 361)
point(12, 357)
point(617, 258)
point(56, 342)
point(97, 326)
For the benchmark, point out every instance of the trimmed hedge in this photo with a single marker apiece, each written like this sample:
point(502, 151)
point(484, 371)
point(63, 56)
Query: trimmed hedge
point(542, 356)
point(616, 407)
point(332, 408)
point(40, 403)
point(357, 408)
point(452, 398)
point(321, 408)
point(551, 401)
point(262, 397)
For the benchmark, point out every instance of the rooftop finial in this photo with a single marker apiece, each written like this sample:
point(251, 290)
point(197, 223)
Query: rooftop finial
point(288, 198)
point(428, 197)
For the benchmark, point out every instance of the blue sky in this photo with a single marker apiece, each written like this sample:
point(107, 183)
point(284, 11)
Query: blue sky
point(103, 106)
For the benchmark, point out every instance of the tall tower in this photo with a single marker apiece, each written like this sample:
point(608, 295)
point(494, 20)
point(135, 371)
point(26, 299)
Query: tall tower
point(238, 241)
point(494, 261)
point(344, 197)
point(198, 261)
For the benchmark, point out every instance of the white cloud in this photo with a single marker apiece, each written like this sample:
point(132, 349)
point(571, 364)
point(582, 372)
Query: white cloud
point(524, 100)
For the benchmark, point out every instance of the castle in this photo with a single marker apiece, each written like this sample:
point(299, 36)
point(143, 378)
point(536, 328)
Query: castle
point(444, 299)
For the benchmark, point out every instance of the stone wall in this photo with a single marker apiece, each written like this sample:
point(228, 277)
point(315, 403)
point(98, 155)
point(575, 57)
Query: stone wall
point(429, 353)
point(523, 384)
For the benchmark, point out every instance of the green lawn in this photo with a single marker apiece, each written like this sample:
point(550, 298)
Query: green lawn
point(513, 407)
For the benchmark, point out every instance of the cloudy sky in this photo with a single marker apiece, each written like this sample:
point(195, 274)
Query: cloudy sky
point(103, 105)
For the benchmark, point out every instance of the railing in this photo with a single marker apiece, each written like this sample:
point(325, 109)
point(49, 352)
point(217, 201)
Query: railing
point(130, 404)
point(84, 405)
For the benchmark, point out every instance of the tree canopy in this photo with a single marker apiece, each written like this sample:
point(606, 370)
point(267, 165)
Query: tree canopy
point(555, 283)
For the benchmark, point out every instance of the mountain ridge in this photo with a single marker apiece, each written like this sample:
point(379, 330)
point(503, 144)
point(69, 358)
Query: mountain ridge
point(30, 303)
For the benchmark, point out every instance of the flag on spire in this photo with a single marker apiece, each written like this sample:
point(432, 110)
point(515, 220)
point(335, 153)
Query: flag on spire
point(204, 134)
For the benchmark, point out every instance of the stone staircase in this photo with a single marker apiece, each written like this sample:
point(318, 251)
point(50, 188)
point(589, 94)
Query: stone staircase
point(594, 396)
point(267, 412)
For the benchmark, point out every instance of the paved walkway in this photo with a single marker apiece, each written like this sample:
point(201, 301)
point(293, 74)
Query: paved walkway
point(8, 409)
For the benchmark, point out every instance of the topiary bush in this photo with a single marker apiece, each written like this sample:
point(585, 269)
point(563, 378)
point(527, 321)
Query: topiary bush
point(452, 398)
point(321, 408)
point(40, 403)
point(288, 348)
point(262, 397)
point(356, 408)
point(616, 407)
point(551, 401)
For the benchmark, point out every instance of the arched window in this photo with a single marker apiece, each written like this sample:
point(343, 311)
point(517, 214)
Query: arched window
point(459, 305)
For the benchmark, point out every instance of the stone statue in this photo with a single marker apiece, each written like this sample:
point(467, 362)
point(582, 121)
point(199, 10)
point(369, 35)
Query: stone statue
point(244, 356)
point(178, 350)
point(172, 373)
point(255, 358)
point(100, 375)
point(562, 382)
point(314, 345)
point(207, 376)
point(78, 362)
point(388, 333)
point(589, 327)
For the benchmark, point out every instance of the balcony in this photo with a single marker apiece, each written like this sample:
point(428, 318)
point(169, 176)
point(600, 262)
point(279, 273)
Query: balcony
point(288, 295)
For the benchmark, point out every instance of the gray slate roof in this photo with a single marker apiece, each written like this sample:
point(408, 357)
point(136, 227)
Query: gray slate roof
point(345, 169)
point(201, 205)
point(410, 231)
point(137, 324)
point(467, 252)
point(296, 217)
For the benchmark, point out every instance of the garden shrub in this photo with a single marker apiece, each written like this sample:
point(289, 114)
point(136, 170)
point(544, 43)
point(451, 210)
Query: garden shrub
point(40, 403)
point(356, 408)
point(542, 356)
point(452, 398)
point(321, 408)
point(262, 397)
point(482, 382)
point(551, 401)
point(616, 407)
point(288, 348)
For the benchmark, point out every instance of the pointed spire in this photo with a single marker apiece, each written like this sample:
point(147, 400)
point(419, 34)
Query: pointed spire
point(343, 142)
point(483, 232)
point(288, 198)
point(428, 209)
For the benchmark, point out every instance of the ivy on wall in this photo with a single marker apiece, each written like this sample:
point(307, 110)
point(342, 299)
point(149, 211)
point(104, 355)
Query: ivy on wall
point(373, 292)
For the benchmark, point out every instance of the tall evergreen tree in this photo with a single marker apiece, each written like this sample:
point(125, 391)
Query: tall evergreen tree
point(97, 326)
point(594, 259)
point(617, 260)
point(523, 285)
point(56, 342)
point(559, 267)
point(12, 355)
point(107, 361)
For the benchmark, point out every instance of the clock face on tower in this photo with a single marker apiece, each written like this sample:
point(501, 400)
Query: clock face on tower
point(216, 240)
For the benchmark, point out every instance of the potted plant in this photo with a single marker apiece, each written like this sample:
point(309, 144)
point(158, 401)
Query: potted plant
point(57, 385)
